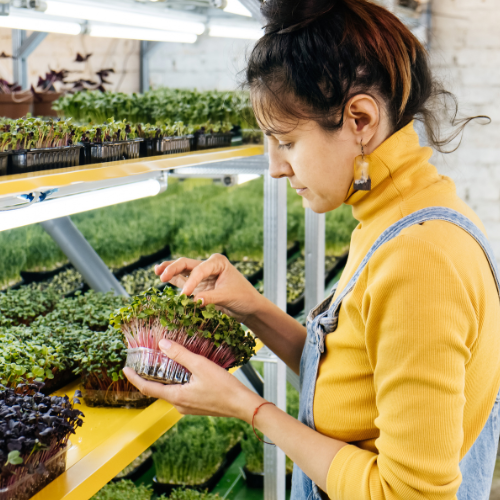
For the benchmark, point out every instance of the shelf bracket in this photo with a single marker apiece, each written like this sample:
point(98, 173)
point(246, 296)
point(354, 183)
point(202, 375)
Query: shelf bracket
point(22, 48)
point(83, 257)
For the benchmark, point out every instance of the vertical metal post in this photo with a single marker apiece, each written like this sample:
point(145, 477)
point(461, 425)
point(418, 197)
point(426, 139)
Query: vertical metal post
point(144, 55)
point(315, 259)
point(20, 64)
point(85, 259)
point(275, 243)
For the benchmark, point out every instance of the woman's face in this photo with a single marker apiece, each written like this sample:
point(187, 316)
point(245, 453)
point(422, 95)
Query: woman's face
point(318, 164)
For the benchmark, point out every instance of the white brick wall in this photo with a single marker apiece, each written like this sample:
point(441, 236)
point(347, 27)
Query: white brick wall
point(465, 53)
point(210, 63)
point(59, 51)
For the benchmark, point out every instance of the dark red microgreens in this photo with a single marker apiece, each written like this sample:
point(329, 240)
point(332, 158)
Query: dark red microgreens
point(33, 428)
point(155, 315)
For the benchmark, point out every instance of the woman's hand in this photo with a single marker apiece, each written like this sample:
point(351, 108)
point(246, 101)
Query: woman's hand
point(211, 391)
point(215, 281)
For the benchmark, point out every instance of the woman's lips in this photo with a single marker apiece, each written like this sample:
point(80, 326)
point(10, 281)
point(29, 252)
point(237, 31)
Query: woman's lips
point(301, 191)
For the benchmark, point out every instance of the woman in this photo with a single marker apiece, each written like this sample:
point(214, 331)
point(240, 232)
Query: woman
point(399, 366)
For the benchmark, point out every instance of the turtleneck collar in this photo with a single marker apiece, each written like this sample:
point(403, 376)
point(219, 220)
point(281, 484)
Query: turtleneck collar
point(399, 168)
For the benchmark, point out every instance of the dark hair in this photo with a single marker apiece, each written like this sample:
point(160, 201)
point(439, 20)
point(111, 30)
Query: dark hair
point(317, 54)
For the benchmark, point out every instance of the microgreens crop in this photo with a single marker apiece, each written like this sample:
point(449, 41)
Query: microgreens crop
point(33, 428)
point(26, 358)
point(29, 132)
point(155, 315)
point(110, 131)
point(100, 358)
point(22, 306)
point(124, 490)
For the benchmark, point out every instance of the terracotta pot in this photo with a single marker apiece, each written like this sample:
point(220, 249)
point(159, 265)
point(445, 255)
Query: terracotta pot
point(42, 103)
point(16, 105)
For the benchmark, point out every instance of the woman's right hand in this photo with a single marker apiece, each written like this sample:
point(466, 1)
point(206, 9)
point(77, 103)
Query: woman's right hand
point(215, 281)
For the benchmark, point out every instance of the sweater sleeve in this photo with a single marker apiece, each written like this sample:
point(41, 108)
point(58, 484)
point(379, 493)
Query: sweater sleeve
point(418, 344)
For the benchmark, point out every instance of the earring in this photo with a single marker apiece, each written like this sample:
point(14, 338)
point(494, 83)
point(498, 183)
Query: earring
point(362, 180)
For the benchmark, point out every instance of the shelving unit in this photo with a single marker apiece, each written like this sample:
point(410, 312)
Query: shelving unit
point(107, 442)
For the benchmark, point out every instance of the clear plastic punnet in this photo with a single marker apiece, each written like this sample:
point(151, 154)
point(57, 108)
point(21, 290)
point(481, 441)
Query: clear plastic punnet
point(30, 484)
point(154, 365)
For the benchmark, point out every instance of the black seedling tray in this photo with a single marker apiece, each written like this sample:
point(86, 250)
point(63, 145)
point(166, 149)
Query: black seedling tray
point(4, 162)
point(165, 146)
point(144, 261)
point(209, 484)
point(33, 160)
point(110, 151)
point(209, 141)
point(256, 480)
point(297, 306)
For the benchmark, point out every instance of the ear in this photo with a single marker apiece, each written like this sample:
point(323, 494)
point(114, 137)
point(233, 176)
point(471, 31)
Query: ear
point(362, 116)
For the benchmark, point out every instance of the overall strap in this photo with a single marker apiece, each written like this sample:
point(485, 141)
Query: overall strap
point(424, 215)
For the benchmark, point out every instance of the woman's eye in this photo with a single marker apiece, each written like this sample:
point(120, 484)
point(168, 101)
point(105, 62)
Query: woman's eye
point(285, 146)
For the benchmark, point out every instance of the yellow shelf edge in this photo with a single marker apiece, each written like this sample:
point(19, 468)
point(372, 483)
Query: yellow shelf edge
point(23, 183)
point(88, 474)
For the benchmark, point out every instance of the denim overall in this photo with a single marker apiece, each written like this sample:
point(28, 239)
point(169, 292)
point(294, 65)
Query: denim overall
point(478, 464)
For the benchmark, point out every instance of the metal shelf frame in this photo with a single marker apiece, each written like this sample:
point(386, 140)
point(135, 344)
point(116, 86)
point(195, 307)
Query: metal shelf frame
point(112, 438)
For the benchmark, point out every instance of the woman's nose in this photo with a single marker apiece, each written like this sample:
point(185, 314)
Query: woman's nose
point(278, 166)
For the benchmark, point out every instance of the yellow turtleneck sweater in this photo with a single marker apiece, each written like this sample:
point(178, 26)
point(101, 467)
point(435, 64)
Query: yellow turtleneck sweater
point(410, 376)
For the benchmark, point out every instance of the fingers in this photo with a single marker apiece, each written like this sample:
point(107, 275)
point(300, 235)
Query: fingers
point(167, 270)
point(181, 355)
point(151, 389)
point(206, 269)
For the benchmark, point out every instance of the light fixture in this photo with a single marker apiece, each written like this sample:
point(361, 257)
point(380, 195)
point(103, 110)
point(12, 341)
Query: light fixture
point(242, 178)
point(236, 32)
point(77, 203)
point(121, 16)
point(40, 24)
point(108, 31)
point(235, 7)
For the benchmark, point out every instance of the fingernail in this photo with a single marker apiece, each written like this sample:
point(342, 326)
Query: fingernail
point(165, 344)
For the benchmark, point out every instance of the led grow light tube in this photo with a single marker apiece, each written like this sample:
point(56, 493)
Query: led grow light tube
point(120, 16)
point(77, 203)
point(235, 7)
point(108, 31)
point(236, 32)
point(40, 24)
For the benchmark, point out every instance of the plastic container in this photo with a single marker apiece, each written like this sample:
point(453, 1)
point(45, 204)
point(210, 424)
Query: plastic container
point(30, 484)
point(255, 480)
point(32, 160)
point(208, 141)
point(165, 146)
point(4, 162)
point(153, 365)
point(110, 398)
point(110, 151)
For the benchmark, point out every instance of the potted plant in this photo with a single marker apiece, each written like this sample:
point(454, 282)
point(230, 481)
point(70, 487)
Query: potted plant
point(213, 135)
point(45, 92)
point(35, 432)
point(164, 139)
point(14, 102)
point(155, 315)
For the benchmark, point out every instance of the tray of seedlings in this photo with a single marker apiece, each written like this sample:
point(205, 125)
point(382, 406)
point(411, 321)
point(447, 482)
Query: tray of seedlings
point(145, 262)
point(137, 468)
point(212, 135)
point(31, 456)
point(195, 453)
point(253, 270)
point(164, 139)
point(110, 141)
point(32, 144)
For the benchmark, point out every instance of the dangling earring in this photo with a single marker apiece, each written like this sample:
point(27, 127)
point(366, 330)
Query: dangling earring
point(362, 180)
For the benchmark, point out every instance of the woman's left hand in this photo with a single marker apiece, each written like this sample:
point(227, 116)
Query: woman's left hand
point(211, 391)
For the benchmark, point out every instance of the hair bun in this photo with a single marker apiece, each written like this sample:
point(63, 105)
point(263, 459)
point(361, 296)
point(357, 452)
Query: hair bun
point(285, 16)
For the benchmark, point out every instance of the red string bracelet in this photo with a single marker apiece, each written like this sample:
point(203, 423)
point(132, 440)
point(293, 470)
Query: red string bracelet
point(253, 418)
